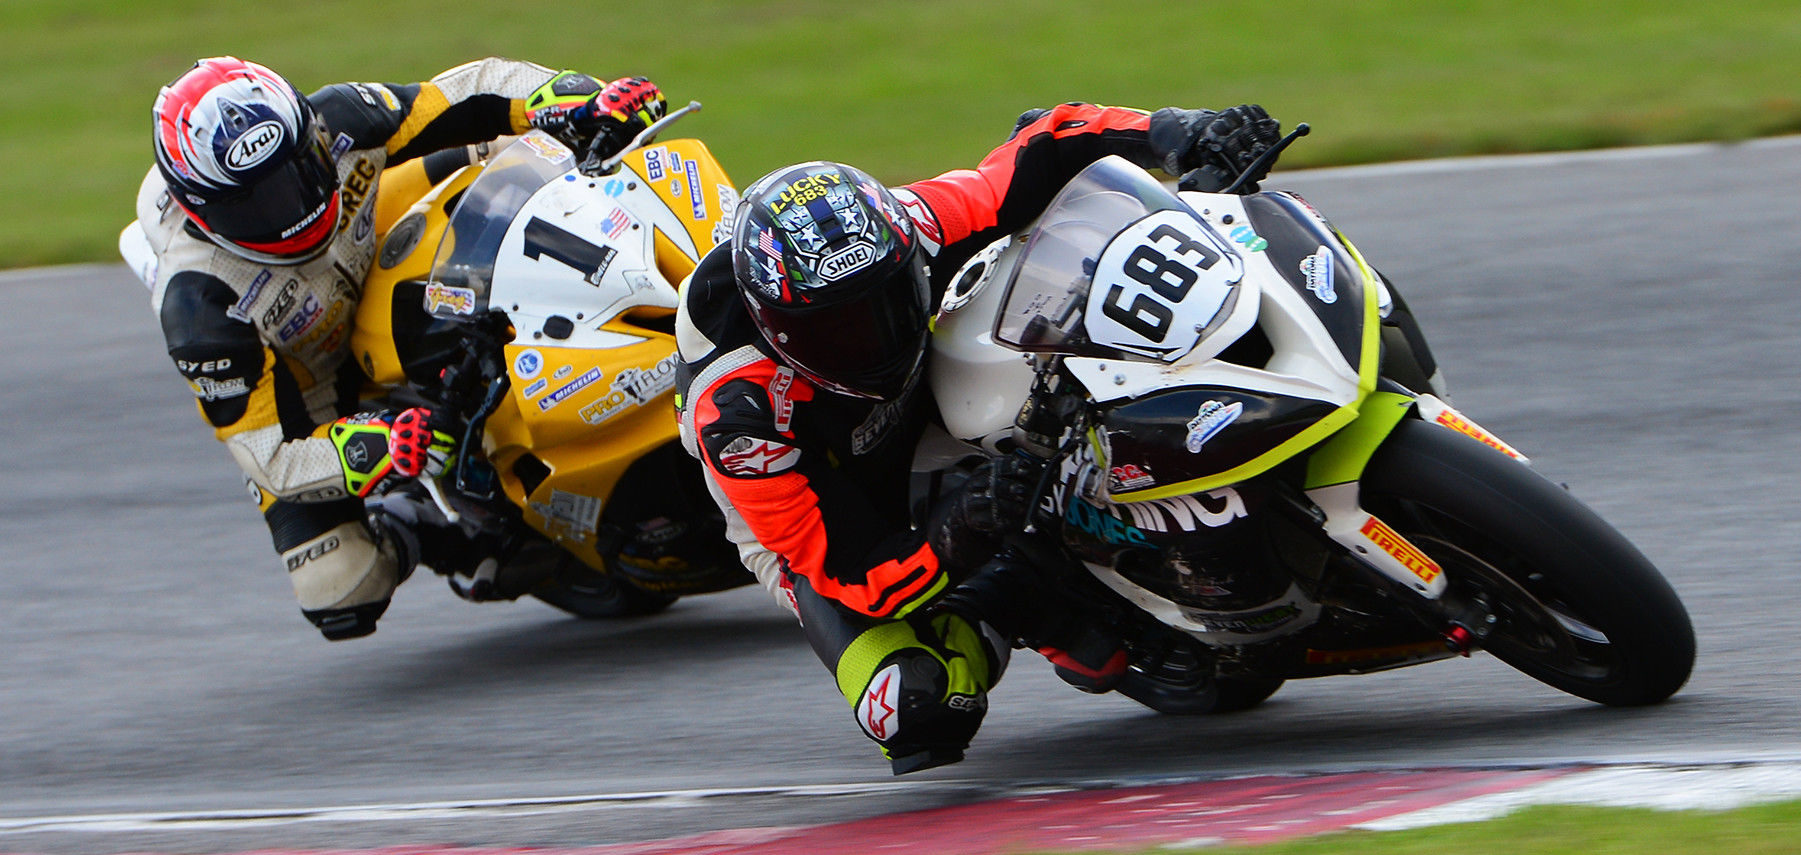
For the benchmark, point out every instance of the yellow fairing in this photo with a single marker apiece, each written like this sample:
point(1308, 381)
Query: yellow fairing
point(575, 418)
point(402, 255)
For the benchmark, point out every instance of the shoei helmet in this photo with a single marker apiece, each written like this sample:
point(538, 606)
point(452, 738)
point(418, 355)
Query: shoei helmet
point(828, 264)
point(246, 158)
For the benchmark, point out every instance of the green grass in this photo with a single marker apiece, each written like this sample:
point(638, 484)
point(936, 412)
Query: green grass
point(909, 89)
point(1773, 829)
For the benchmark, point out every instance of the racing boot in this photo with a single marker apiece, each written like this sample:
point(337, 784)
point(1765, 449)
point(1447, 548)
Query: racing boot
point(926, 693)
point(1008, 595)
point(344, 577)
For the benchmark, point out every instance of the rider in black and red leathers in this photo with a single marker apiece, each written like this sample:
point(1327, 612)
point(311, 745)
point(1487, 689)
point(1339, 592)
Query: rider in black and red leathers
point(254, 232)
point(803, 343)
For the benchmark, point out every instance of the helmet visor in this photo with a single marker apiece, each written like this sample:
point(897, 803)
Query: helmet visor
point(868, 346)
point(289, 210)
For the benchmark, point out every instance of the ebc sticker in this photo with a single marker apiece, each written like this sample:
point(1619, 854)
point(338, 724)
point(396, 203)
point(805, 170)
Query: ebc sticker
point(1159, 284)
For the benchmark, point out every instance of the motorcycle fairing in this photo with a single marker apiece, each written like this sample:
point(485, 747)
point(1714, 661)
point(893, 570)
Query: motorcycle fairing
point(592, 364)
point(1318, 312)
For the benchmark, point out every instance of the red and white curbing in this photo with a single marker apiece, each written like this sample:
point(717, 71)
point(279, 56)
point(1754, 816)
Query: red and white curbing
point(1715, 786)
point(1243, 810)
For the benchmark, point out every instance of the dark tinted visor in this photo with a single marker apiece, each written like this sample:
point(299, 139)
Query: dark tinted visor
point(868, 346)
point(285, 203)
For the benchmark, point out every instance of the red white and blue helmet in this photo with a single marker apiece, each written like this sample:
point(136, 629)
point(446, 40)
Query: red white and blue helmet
point(247, 159)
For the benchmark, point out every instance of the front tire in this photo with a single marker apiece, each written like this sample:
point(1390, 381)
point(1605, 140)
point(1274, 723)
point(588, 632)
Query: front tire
point(586, 593)
point(1177, 681)
point(1575, 605)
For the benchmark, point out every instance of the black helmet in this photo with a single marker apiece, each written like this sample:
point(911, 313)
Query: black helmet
point(828, 264)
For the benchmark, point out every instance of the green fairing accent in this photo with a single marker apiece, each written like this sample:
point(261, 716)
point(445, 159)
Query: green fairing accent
point(969, 671)
point(1369, 360)
point(1341, 459)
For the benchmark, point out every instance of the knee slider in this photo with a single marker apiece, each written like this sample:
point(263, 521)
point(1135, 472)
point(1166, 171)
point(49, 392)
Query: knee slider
point(927, 692)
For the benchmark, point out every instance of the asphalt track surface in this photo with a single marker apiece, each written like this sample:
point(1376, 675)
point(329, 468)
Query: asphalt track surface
point(1629, 319)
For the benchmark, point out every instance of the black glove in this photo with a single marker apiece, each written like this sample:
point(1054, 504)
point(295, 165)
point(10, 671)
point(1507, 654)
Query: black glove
point(1209, 150)
point(970, 526)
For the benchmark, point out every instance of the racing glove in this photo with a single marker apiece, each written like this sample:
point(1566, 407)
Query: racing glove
point(1209, 150)
point(969, 527)
point(378, 451)
point(584, 115)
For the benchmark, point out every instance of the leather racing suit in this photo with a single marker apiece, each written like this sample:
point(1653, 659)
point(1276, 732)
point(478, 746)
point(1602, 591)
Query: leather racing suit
point(264, 346)
point(815, 485)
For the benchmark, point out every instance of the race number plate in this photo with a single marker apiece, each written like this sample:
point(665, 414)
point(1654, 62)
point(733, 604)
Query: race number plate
point(1160, 285)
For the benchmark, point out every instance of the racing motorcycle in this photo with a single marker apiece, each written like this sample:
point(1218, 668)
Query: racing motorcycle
point(529, 300)
point(1252, 474)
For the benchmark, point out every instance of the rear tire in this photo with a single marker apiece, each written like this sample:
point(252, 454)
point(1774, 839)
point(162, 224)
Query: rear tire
point(1576, 605)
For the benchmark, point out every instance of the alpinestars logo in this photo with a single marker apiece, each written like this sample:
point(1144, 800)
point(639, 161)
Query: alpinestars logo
point(876, 710)
point(753, 457)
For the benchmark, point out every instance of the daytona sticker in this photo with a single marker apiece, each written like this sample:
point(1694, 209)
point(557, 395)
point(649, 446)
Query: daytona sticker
point(1317, 268)
point(1212, 418)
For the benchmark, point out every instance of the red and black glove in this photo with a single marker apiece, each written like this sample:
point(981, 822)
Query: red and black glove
point(418, 448)
point(579, 111)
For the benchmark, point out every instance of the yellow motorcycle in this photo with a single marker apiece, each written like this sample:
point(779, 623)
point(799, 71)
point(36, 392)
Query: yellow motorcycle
point(531, 300)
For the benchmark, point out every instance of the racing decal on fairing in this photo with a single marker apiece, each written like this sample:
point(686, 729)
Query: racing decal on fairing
point(632, 387)
point(1249, 239)
point(1391, 542)
point(1440, 413)
point(877, 710)
point(459, 301)
point(1213, 417)
point(565, 391)
point(1129, 477)
point(1187, 512)
point(528, 363)
point(1159, 285)
point(1317, 270)
point(569, 515)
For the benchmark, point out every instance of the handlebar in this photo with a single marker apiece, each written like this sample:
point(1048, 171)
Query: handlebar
point(592, 166)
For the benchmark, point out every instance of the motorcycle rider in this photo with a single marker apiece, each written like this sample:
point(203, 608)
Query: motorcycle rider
point(803, 342)
point(255, 230)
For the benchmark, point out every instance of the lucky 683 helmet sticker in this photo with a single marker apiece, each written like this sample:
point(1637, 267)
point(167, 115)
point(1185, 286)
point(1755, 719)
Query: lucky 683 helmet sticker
point(1161, 285)
point(825, 229)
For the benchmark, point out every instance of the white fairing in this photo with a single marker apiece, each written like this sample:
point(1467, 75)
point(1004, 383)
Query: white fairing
point(981, 383)
point(1139, 293)
point(574, 247)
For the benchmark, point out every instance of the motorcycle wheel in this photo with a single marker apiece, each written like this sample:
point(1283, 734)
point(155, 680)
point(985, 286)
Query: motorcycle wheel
point(1176, 683)
point(587, 594)
point(1575, 605)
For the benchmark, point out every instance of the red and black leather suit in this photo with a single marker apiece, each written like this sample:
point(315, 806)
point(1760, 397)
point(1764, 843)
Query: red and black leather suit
point(815, 484)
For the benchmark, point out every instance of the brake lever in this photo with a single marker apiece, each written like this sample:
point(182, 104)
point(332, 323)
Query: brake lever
point(1267, 158)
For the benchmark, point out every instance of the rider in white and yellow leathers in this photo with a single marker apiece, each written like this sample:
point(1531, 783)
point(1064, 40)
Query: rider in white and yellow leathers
point(254, 232)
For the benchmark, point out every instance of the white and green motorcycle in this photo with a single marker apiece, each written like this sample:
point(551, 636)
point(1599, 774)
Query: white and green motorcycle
point(1252, 479)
